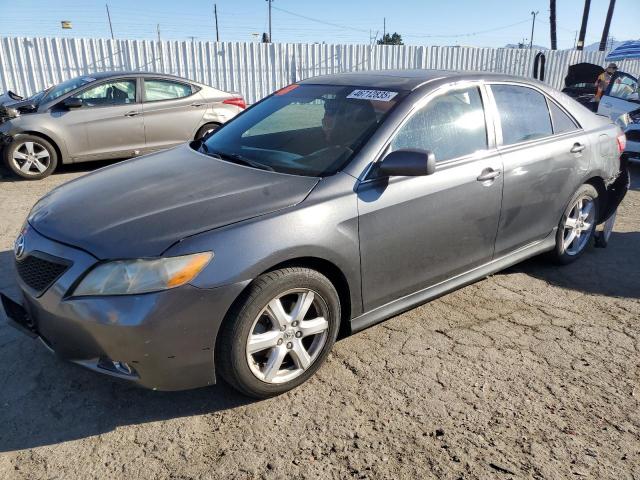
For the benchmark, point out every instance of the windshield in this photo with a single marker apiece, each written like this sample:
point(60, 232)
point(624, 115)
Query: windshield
point(65, 87)
point(311, 130)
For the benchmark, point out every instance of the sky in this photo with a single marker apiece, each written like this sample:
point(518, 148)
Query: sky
point(489, 23)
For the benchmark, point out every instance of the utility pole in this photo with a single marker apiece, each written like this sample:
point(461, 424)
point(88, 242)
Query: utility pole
point(607, 25)
point(109, 17)
point(552, 24)
point(533, 26)
point(270, 37)
point(583, 27)
point(215, 14)
point(160, 48)
point(384, 27)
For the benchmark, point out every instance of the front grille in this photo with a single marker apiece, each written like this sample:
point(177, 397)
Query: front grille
point(39, 270)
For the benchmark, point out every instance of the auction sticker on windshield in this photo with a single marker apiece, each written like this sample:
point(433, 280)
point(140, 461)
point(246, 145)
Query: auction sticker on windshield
point(379, 95)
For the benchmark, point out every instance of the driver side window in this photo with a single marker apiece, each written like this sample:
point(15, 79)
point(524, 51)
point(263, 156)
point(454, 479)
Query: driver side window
point(118, 92)
point(451, 125)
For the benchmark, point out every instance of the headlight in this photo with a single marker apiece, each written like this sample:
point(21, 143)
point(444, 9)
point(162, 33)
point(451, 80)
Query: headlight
point(126, 277)
point(624, 120)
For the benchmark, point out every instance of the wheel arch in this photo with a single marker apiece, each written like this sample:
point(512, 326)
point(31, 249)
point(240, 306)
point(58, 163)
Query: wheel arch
point(204, 124)
point(597, 182)
point(327, 268)
point(335, 276)
point(48, 138)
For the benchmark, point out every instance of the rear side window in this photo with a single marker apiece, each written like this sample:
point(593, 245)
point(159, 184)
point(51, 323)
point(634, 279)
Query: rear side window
point(561, 121)
point(155, 90)
point(523, 113)
point(451, 126)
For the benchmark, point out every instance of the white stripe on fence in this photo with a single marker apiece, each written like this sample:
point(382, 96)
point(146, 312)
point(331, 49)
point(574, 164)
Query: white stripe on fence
point(28, 65)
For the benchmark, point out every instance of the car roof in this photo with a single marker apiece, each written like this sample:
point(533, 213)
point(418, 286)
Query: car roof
point(409, 79)
point(127, 73)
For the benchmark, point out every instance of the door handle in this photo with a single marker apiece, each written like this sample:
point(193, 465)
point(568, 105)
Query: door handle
point(606, 104)
point(577, 148)
point(132, 113)
point(488, 174)
point(196, 104)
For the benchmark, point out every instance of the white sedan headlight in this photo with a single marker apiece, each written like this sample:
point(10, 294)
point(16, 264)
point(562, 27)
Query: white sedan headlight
point(126, 277)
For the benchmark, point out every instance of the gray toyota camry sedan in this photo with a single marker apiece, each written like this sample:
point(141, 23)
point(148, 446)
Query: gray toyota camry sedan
point(330, 205)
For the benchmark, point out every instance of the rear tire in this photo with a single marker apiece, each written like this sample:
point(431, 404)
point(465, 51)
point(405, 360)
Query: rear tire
point(206, 130)
point(577, 225)
point(279, 332)
point(30, 157)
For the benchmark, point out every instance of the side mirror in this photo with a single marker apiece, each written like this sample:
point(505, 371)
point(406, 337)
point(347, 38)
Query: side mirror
point(407, 163)
point(72, 102)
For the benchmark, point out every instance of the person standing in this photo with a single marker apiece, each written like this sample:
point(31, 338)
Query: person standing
point(604, 79)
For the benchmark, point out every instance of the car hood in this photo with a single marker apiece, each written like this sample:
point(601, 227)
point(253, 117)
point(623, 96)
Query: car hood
point(141, 207)
point(9, 97)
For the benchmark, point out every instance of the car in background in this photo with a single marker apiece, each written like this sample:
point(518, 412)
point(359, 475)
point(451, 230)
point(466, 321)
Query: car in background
point(620, 97)
point(630, 123)
point(580, 83)
point(329, 206)
point(109, 115)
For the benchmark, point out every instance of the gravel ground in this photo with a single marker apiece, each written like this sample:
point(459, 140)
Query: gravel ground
point(531, 373)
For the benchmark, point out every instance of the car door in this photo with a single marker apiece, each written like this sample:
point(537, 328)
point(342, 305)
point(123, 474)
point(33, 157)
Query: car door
point(173, 112)
point(418, 231)
point(108, 124)
point(620, 97)
point(542, 159)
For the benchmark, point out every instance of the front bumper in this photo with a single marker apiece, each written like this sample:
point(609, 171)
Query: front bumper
point(167, 338)
point(5, 139)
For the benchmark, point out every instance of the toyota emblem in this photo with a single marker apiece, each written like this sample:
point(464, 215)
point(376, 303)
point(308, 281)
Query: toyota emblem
point(18, 247)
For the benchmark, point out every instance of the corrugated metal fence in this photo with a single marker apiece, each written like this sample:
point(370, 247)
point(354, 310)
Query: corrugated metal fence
point(28, 65)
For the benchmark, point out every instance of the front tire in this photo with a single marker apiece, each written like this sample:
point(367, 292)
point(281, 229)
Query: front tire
point(279, 332)
point(577, 225)
point(30, 157)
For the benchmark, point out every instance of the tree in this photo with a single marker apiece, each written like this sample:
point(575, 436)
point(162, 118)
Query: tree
point(583, 27)
point(394, 39)
point(607, 25)
point(552, 24)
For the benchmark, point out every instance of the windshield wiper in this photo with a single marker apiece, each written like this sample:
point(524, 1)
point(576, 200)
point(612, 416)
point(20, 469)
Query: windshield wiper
point(236, 158)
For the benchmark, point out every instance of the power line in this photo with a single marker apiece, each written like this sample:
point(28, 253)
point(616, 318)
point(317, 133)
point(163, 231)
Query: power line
point(470, 34)
point(457, 35)
point(311, 19)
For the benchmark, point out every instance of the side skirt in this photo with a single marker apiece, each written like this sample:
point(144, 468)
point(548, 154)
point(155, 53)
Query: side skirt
point(422, 296)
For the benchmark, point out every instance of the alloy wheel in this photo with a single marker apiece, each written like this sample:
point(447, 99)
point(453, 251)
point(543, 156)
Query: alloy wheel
point(31, 158)
point(578, 226)
point(287, 336)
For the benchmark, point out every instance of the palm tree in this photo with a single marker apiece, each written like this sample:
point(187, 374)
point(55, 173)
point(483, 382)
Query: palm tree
point(583, 27)
point(552, 24)
point(607, 24)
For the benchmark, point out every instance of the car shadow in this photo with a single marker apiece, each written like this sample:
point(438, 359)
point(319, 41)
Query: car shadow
point(634, 170)
point(83, 167)
point(45, 400)
point(613, 271)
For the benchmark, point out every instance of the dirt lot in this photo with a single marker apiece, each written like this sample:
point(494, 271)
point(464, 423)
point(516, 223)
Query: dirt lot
point(531, 373)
